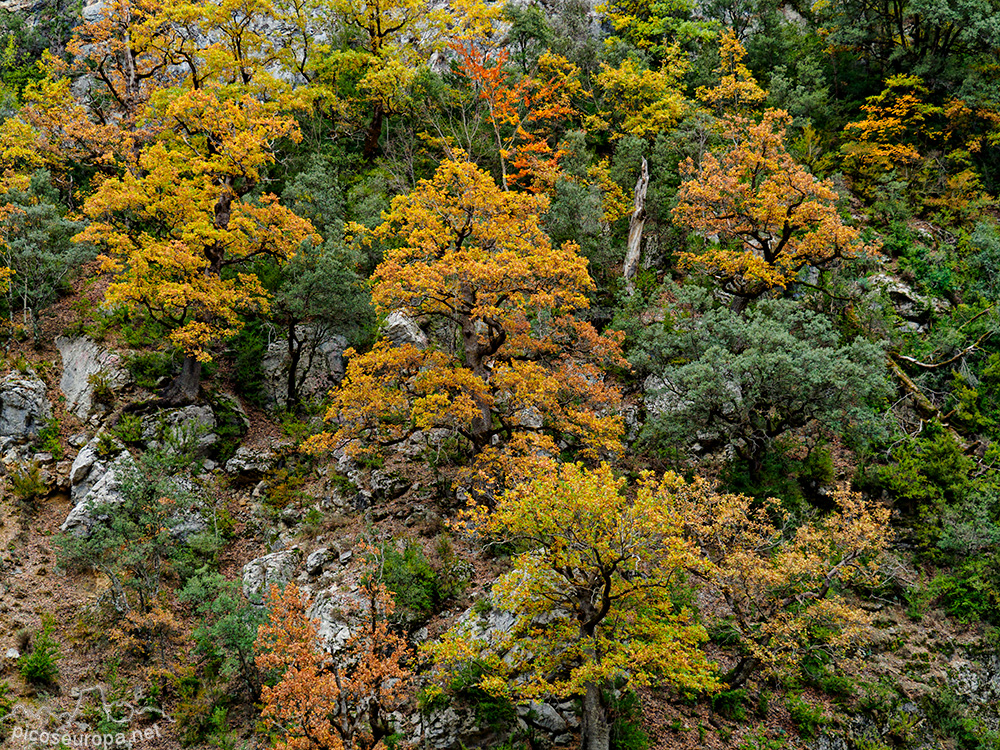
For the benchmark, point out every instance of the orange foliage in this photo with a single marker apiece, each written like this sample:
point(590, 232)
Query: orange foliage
point(770, 216)
point(523, 114)
point(324, 701)
point(474, 259)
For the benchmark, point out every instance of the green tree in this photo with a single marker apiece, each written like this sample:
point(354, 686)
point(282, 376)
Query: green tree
point(744, 380)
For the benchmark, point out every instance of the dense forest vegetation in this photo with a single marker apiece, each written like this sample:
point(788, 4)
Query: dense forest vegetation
point(514, 375)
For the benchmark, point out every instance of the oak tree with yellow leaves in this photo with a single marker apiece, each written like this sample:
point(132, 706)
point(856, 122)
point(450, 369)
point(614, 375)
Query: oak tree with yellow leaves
point(515, 368)
point(782, 587)
point(176, 228)
point(592, 596)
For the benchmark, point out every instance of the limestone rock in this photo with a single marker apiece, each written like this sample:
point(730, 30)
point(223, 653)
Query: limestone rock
point(24, 407)
point(103, 490)
point(261, 573)
point(82, 361)
point(189, 427)
point(401, 329)
point(320, 369)
point(251, 461)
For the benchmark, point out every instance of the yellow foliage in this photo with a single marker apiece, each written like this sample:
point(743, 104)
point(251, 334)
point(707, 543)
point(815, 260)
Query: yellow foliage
point(770, 217)
point(474, 258)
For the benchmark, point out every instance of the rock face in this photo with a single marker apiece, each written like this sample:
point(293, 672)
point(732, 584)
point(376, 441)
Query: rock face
point(401, 329)
point(100, 485)
point(83, 361)
point(24, 408)
point(261, 573)
point(320, 368)
point(190, 427)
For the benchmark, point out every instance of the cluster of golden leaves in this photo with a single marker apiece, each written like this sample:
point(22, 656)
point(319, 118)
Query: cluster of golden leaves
point(462, 251)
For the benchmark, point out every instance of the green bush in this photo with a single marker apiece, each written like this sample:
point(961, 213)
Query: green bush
point(731, 704)
point(806, 717)
point(40, 665)
point(26, 482)
point(626, 723)
point(48, 439)
point(149, 368)
point(128, 429)
point(493, 712)
point(412, 580)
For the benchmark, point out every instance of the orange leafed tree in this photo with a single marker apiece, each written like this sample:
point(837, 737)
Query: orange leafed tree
point(515, 366)
point(326, 701)
point(522, 114)
point(170, 225)
point(766, 216)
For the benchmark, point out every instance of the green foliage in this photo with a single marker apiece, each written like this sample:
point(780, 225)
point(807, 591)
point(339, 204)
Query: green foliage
point(414, 583)
point(101, 390)
point(40, 666)
point(248, 349)
point(128, 429)
point(230, 426)
point(36, 244)
point(808, 719)
point(26, 481)
point(948, 714)
point(625, 714)
point(747, 379)
point(931, 469)
point(48, 439)
point(972, 592)
point(227, 630)
point(731, 704)
point(133, 543)
point(150, 368)
point(493, 712)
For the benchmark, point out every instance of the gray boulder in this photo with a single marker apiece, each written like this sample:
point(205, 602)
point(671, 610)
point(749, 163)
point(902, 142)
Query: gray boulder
point(320, 369)
point(187, 428)
point(251, 461)
point(263, 572)
point(24, 408)
point(104, 484)
point(401, 329)
point(82, 361)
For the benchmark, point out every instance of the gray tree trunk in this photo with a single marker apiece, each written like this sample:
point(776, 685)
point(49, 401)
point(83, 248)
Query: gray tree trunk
point(635, 226)
point(595, 732)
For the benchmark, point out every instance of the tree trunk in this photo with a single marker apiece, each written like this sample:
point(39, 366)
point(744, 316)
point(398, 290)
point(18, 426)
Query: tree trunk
point(185, 387)
point(738, 675)
point(294, 355)
point(595, 732)
point(635, 226)
point(374, 133)
point(739, 304)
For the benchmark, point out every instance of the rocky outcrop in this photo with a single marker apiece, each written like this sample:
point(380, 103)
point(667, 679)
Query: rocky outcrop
point(263, 572)
point(102, 483)
point(320, 368)
point(85, 364)
point(190, 428)
point(401, 329)
point(24, 408)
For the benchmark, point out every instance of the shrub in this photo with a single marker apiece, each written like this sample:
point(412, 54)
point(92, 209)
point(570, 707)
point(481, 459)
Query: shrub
point(414, 583)
point(26, 482)
point(149, 368)
point(128, 429)
point(807, 718)
point(48, 439)
point(40, 665)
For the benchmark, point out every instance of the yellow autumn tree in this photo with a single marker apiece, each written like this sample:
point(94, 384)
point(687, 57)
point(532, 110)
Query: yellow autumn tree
point(591, 595)
point(515, 367)
point(172, 224)
point(765, 217)
point(781, 587)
